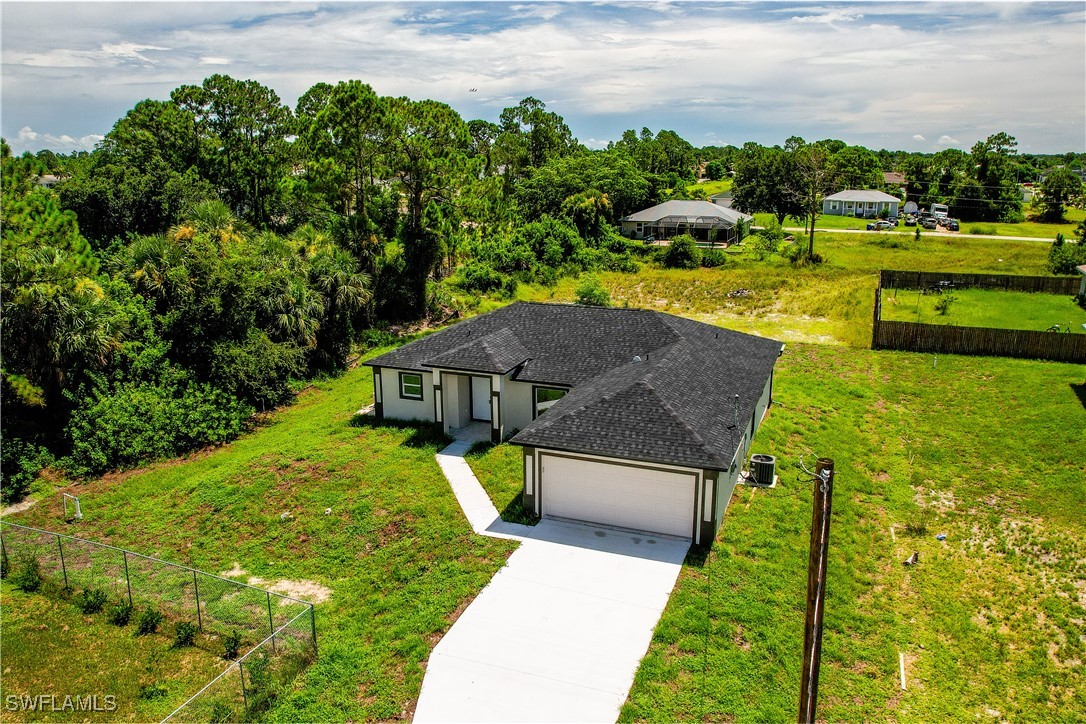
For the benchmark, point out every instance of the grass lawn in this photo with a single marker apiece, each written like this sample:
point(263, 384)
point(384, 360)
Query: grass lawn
point(992, 622)
point(985, 308)
point(51, 649)
point(395, 550)
point(710, 187)
point(1025, 228)
point(499, 469)
point(829, 304)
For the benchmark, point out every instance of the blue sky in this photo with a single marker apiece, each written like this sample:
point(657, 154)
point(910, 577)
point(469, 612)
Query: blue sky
point(915, 75)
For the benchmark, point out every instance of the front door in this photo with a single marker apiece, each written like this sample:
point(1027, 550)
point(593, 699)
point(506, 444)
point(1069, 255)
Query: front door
point(480, 398)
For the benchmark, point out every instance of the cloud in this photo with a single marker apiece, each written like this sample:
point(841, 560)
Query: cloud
point(918, 137)
point(747, 71)
point(595, 143)
point(945, 140)
point(130, 51)
point(29, 139)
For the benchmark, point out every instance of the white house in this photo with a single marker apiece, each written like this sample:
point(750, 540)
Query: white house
point(860, 202)
point(703, 220)
point(626, 417)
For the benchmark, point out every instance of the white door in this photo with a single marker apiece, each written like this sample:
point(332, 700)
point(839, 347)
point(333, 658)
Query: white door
point(647, 499)
point(480, 398)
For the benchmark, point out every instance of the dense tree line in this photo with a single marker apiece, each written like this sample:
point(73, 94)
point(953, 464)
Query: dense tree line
point(218, 247)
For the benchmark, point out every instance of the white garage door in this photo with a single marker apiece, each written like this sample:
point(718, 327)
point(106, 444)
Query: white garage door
point(644, 499)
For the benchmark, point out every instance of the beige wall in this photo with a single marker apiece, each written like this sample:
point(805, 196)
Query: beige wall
point(398, 408)
point(517, 405)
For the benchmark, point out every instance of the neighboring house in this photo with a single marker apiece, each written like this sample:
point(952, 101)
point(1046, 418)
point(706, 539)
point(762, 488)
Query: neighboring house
point(860, 202)
point(724, 198)
point(893, 179)
point(47, 180)
point(703, 220)
point(1082, 284)
point(626, 417)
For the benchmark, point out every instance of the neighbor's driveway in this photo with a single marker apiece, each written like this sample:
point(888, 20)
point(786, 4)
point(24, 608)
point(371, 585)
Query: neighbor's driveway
point(558, 633)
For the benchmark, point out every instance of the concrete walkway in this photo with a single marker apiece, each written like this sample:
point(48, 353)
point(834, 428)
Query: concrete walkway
point(558, 633)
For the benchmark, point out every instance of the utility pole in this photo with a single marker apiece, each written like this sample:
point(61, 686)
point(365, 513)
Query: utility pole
point(816, 589)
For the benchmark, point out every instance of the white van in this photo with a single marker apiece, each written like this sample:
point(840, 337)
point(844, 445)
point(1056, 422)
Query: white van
point(940, 211)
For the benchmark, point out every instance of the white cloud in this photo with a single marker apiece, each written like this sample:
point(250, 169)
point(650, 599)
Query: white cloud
point(130, 51)
point(829, 17)
point(214, 60)
point(595, 143)
point(30, 140)
point(918, 137)
point(945, 140)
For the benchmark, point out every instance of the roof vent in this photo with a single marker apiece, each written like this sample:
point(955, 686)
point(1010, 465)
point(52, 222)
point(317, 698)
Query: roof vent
point(637, 358)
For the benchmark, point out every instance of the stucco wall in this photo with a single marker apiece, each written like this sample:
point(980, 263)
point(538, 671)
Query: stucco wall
point(517, 402)
point(397, 407)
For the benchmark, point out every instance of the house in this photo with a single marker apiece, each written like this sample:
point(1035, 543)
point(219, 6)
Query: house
point(724, 198)
point(1082, 284)
point(626, 417)
point(893, 179)
point(703, 220)
point(860, 202)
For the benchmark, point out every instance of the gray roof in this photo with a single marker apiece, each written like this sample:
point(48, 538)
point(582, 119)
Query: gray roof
point(676, 405)
point(863, 195)
point(690, 212)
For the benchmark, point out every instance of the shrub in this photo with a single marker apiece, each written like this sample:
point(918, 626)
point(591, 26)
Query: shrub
point(682, 253)
point(119, 613)
point(20, 462)
point(148, 621)
point(591, 293)
point(797, 254)
point(5, 564)
point(762, 245)
point(943, 305)
point(91, 600)
point(1064, 256)
point(231, 643)
point(712, 258)
point(184, 634)
point(28, 577)
point(476, 276)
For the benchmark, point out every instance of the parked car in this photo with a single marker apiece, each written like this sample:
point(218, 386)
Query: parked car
point(951, 224)
point(910, 220)
point(929, 222)
point(880, 226)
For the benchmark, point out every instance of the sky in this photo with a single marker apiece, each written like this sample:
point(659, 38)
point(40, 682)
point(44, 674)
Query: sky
point(915, 76)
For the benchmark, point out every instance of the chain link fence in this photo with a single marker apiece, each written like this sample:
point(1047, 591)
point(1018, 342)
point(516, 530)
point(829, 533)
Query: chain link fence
point(271, 637)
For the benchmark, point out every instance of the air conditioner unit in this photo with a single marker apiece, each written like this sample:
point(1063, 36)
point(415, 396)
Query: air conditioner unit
point(763, 468)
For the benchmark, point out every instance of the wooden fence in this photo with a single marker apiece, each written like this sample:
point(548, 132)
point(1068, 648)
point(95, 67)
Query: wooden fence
point(891, 279)
point(984, 341)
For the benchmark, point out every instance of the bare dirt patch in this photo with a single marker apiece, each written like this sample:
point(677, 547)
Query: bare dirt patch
point(305, 590)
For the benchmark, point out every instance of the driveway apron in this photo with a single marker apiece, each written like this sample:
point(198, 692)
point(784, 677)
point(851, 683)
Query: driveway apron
point(558, 633)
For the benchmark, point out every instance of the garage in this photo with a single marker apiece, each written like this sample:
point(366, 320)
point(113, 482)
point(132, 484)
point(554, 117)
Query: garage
point(624, 495)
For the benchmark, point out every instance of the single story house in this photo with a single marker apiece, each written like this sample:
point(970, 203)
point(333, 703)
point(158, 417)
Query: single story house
point(703, 220)
point(626, 417)
point(724, 198)
point(1082, 284)
point(860, 202)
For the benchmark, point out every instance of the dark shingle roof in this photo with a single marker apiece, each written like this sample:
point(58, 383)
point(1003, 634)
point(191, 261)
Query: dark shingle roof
point(676, 405)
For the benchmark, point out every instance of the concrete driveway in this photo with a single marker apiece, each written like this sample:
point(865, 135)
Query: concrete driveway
point(558, 633)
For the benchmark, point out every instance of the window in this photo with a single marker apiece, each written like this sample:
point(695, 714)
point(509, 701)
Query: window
point(410, 386)
point(833, 206)
point(545, 397)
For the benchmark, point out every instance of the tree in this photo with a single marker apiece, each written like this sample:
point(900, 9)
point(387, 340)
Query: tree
point(242, 129)
point(715, 170)
point(429, 145)
point(1060, 189)
point(530, 136)
point(765, 182)
point(995, 172)
point(682, 253)
point(855, 167)
point(591, 293)
point(814, 179)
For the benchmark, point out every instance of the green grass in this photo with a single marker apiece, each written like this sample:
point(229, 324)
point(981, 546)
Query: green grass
point(1031, 229)
point(985, 308)
point(992, 621)
point(500, 470)
point(828, 304)
point(396, 550)
point(710, 187)
point(51, 649)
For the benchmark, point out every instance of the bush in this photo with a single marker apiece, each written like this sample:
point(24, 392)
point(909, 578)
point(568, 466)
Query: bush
point(943, 305)
point(20, 462)
point(91, 600)
point(184, 634)
point(762, 245)
point(148, 621)
point(1064, 256)
point(712, 258)
point(591, 293)
point(139, 422)
point(798, 256)
point(682, 253)
point(119, 613)
point(231, 644)
point(28, 577)
point(476, 276)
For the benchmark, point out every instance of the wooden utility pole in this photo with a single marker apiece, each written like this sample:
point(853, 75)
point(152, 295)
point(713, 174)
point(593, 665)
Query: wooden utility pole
point(816, 590)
